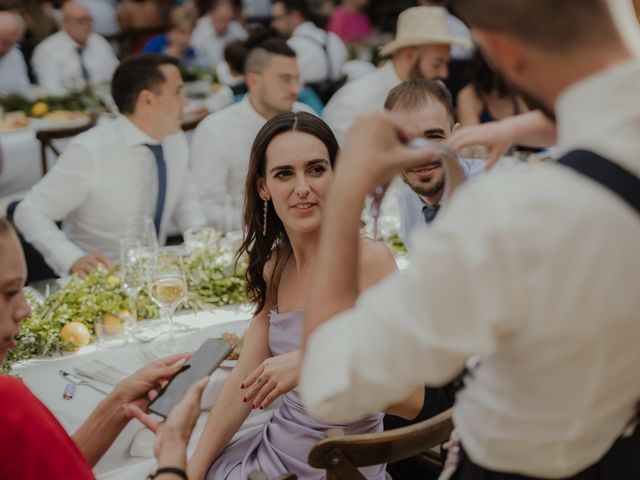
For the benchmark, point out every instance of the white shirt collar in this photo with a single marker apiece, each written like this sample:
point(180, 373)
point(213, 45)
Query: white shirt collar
point(132, 134)
point(389, 72)
point(72, 42)
point(250, 110)
point(300, 29)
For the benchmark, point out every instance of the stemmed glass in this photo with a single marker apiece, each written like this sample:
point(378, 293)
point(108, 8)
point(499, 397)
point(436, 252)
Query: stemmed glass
point(168, 287)
point(132, 274)
point(453, 177)
point(141, 227)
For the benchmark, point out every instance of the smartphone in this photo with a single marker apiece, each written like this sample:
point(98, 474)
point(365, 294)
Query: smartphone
point(204, 361)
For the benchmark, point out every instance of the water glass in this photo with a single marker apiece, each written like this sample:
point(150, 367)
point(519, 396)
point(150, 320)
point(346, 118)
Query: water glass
point(110, 331)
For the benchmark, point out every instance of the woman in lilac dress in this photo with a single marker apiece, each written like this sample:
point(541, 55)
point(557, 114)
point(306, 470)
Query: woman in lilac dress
point(290, 172)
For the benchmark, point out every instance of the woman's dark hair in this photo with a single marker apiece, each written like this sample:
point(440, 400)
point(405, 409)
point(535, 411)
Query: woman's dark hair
point(257, 246)
point(485, 80)
point(134, 74)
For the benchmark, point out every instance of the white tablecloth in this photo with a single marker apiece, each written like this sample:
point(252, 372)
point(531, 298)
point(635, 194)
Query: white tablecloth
point(44, 380)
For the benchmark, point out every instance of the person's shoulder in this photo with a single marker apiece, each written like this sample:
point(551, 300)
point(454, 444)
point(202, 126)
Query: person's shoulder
point(13, 389)
point(223, 119)
point(49, 44)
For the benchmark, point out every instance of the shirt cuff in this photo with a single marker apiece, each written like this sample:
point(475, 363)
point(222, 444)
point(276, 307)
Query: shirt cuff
point(65, 256)
point(325, 379)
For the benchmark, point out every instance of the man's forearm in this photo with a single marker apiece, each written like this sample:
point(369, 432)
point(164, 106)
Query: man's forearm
point(335, 287)
point(97, 433)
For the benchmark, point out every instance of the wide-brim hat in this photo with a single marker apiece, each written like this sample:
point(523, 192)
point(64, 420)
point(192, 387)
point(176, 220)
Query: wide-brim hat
point(423, 26)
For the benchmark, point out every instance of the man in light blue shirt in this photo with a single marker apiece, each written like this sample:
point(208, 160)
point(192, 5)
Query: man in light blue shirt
point(425, 109)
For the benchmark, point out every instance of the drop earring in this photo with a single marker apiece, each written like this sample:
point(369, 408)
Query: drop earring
point(264, 218)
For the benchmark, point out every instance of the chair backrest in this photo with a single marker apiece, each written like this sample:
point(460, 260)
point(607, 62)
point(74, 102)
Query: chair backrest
point(48, 135)
point(341, 456)
point(191, 121)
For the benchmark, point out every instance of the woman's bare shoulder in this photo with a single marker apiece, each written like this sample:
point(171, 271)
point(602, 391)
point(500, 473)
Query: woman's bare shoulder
point(376, 262)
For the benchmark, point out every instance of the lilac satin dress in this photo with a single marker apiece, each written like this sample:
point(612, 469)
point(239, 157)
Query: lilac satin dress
point(284, 442)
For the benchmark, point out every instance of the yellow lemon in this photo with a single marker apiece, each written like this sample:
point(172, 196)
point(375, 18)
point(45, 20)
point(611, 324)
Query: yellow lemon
point(112, 324)
point(39, 109)
point(112, 282)
point(75, 335)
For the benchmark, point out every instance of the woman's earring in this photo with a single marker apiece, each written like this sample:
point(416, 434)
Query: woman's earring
point(264, 218)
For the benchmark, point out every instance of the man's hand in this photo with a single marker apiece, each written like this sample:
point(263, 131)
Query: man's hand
point(144, 385)
point(87, 264)
point(496, 137)
point(273, 377)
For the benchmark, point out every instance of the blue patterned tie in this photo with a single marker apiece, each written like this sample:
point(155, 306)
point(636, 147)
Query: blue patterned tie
point(430, 213)
point(162, 183)
point(83, 66)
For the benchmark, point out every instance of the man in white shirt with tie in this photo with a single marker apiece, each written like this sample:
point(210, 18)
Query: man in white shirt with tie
point(136, 164)
point(75, 56)
point(13, 69)
point(320, 54)
point(214, 31)
point(222, 142)
point(421, 49)
point(536, 272)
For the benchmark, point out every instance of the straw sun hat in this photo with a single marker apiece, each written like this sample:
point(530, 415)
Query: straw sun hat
point(422, 26)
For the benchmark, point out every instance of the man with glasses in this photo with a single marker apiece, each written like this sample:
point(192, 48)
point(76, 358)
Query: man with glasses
point(222, 142)
point(13, 69)
point(75, 56)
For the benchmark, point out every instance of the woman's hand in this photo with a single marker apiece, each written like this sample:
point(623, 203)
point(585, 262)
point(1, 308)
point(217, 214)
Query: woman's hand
point(273, 377)
point(172, 435)
point(144, 385)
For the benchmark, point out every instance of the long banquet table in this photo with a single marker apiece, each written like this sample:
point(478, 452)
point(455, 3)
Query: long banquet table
point(43, 378)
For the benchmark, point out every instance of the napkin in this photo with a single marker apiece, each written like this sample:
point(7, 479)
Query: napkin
point(100, 371)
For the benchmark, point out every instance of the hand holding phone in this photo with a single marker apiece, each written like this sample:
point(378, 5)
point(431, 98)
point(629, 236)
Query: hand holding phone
point(204, 361)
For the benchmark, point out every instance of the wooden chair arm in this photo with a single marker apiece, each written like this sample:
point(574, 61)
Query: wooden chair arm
point(385, 447)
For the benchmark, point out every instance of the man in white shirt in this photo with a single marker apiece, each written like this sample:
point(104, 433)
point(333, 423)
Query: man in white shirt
point(135, 165)
point(214, 31)
point(74, 56)
point(420, 50)
point(222, 142)
point(13, 69)
point(536, 272)
point(425, 110)
point(320, 54)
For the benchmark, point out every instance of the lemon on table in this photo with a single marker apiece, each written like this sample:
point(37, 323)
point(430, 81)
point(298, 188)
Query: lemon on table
point(112, 281)
point(75, 335)
point(39, 109)
point(112, 324)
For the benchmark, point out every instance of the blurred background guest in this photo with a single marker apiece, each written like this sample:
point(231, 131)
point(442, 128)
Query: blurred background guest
point(39, 19)
point(75, 56)
point(13, 69)
point(320, 54)
point(487, 97)
point(349, 21)
point(104, 14)
point(143, 14)
point(214, 30)
point(176, 41)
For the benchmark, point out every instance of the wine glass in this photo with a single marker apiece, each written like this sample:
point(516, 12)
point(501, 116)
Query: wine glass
point(453, 177)
point(132, 274)
point(168, 287)
point(142, 228)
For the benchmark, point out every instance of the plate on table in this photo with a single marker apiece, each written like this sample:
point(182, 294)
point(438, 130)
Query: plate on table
point(14, 123)
point(66, 119)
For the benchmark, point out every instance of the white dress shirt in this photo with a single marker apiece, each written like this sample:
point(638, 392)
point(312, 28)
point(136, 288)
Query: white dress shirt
point(364, 95)
point(307, 41)
point(220, 150)
point(209, 46)
point(105, 176)
point(13, 73)
point(57, 63)
point(410, 204)
point(538, 273)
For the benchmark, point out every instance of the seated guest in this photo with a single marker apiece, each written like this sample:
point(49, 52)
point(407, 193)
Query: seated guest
point(320, 54)
point(349, 22)
point(137, 164)
point(290, 172)
point(34, 444)
point(535, 272)
point(176, 41)
point(40, 22)
point(221, 144)
point(13, 69)
point(425, 110)
point(214, 30)
point(420, 50)
point(75, 56)
point(487, 97)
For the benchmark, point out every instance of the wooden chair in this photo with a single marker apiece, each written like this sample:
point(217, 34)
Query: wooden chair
point(340, 455)
point(47, 136)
